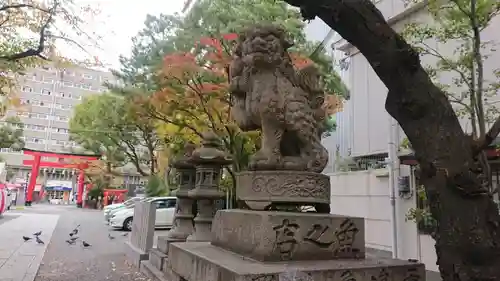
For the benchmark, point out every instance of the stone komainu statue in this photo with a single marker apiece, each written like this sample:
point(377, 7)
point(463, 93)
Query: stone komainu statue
point(286, 105)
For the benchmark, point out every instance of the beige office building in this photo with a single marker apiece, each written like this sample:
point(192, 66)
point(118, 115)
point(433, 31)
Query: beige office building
point(48, 95)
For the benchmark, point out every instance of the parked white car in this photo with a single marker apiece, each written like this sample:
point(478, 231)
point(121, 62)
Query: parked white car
point(165, 210)
point(113, 208)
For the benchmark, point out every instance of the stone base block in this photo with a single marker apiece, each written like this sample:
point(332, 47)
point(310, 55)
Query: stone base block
point(164, 242)
point(148, 269)
point(169, 274)
point(282, 236)
point(135, 255)
point(260, 189)
point(156, 257)
point(201, 261)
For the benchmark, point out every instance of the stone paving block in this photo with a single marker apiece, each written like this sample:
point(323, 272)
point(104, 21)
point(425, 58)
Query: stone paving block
point(20, 260)
point(5, 254)
point(35, 264)
point(29, 277)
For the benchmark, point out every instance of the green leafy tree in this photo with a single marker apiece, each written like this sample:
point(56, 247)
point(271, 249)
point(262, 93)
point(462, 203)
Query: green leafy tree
point(31, 31)
point(155, 187)
point(108, 124)
point(167, 34)
point(11, 134)
point(472, 90)
point(171, 34)
point(460, 24)
point(467, 219)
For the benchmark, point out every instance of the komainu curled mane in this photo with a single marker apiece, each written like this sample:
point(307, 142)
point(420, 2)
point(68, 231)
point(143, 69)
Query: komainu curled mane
point(268, 94)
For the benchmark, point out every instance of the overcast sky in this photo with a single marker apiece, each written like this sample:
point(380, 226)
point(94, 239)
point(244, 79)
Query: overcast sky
point(120, 20)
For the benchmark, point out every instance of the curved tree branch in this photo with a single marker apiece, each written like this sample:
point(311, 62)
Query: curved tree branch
point(31, 52)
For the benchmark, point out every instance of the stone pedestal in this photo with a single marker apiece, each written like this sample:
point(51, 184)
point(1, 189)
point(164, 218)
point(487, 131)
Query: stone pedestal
point(284, 236)
point(253, 245)
point(201, 261)
point(141, 238)
point(261, 189)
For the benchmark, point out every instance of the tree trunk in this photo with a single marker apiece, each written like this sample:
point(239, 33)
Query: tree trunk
point(467, 235)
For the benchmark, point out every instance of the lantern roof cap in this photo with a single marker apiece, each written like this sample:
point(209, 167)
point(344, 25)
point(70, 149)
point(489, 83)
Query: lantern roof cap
point(210, 152)
point(183, 161)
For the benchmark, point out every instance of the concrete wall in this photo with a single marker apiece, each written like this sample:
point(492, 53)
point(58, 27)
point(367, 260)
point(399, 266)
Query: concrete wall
point(366, 194)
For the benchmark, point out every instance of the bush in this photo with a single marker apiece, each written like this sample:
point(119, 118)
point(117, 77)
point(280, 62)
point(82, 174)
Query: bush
point(156, 187)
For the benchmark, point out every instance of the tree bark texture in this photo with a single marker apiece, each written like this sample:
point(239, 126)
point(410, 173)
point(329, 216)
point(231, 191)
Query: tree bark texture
point(467, 236)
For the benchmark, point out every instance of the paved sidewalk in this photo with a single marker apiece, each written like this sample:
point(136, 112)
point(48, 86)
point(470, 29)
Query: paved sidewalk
point(19, 260)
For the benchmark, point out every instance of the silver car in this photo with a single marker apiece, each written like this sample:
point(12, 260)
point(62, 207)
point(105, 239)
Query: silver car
point(108, 210)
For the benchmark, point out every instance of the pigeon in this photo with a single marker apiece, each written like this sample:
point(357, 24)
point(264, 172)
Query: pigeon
point(26, 239)
point(110, 237)
point(73, 238)
point(37, 233)
point(75, 231)
point(71, 234)
point(125, 234)
point(70, 242)
point(85, 244)
point(38, 240)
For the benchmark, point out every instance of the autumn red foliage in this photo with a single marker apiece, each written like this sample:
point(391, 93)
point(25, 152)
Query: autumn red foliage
point(196, 95)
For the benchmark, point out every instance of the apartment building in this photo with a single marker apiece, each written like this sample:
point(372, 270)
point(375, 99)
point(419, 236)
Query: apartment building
point(48, 96)
point(382, 190)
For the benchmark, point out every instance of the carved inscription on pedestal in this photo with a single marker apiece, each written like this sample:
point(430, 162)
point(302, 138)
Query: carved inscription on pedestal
point(412, 274)
point(340, 241)
point(349, 275)
point(264, 277)
point(382, 275)
point(286, 241)
point(295, 275)
point(262, 188)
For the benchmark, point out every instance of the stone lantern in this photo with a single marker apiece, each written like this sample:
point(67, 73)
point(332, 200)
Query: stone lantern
point(185, 173)
point(209, 161)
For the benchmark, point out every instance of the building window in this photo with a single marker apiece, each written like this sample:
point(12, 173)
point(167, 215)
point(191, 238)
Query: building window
point(87, 76)
point(86, 86)
point(38, 127)
point(62, 130)
point(42, 116)
point(68, 84)
point(46, 92)
point(48, 80)
point(69, 72)
point(69, 95)
point(62, 118)
point(36, 140)
point(27, 89)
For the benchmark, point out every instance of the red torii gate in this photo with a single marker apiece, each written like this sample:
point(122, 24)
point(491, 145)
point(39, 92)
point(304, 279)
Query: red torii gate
point(36, 163)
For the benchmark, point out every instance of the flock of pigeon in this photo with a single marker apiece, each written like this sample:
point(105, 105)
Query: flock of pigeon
point(70, 241)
